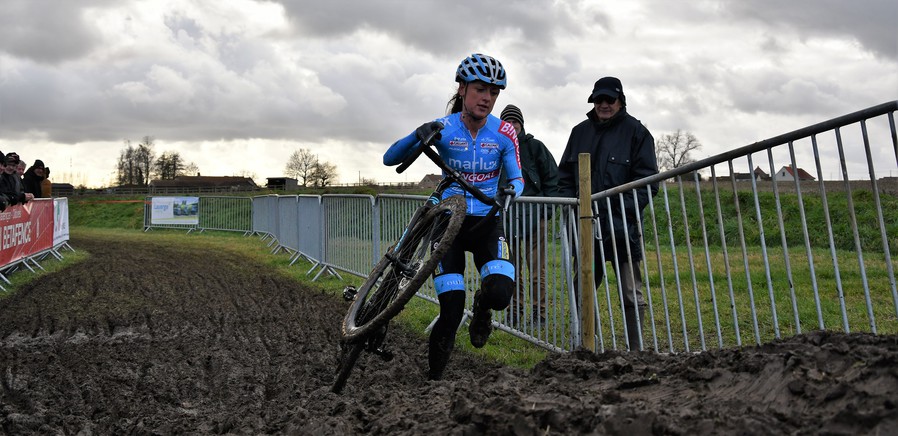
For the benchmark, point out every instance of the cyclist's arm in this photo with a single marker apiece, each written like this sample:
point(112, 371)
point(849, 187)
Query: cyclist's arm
point(511, 163)
point(401, 149)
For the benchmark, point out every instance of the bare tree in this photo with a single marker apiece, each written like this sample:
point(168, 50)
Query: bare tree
point(144, 157)
point(673, 150)
point(170, 165)
point(126, 167)
point(323, 174)
point(301, 166)
point(190, 169)
point(135, 163)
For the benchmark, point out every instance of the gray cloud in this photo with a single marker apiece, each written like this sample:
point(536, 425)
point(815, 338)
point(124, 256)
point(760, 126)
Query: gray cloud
point(48, 31)
point(435, 26)
point(871, 22)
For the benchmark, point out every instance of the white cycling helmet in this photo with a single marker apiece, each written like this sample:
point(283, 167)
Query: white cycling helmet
point(481, 67)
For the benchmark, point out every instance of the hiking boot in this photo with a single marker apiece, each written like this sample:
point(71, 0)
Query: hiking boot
point(481, 323)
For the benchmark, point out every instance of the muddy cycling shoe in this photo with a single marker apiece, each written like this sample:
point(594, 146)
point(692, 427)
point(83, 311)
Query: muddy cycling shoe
point(438, 356)
point(481, 324)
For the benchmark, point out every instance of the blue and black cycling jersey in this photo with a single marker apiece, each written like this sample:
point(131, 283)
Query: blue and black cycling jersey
point(478, 159)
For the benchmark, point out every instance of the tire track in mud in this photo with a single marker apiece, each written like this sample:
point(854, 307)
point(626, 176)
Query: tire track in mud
point(219, 345)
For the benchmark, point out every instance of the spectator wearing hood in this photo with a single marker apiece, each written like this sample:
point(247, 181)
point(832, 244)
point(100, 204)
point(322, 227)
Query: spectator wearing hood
point(46, 185)
point(33, 178)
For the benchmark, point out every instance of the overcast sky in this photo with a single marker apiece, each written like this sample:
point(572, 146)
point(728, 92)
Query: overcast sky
point(236, 86)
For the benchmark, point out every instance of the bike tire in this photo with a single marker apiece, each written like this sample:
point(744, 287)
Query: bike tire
point(386, 291)
point(348, 358)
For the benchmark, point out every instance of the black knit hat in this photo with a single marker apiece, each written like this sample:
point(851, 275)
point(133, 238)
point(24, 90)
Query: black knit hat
point(512, 113)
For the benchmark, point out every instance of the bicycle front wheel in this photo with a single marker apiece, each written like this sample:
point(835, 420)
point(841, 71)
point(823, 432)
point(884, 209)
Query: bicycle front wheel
point(389, 287)
point(349, 354)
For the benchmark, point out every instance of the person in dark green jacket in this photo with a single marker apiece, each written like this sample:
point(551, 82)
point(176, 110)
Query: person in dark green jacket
point(623, 151)
point(528, 232)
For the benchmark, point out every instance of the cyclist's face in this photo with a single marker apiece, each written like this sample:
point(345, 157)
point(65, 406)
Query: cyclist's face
point(479, 98)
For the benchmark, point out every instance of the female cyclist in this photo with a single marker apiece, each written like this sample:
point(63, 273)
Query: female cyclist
point(478, 145)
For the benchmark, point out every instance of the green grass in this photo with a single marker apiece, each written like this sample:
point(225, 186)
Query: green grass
point(50, 264)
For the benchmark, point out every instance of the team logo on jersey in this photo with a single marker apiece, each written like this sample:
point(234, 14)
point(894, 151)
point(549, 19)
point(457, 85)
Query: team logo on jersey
point(480, 177)
point(457, 143)
point(489, 145)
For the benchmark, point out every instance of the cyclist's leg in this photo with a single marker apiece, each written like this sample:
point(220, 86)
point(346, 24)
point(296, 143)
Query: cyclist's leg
point(491, 255)
point(442, 336)
point(449, 282)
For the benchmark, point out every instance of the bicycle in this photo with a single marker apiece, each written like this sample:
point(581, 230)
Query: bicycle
point(405, 266)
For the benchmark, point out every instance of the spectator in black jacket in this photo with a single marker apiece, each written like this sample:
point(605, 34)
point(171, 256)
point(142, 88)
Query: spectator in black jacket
point(10, 184)
point(33, 178)
point(528, 233)
point(623, 150)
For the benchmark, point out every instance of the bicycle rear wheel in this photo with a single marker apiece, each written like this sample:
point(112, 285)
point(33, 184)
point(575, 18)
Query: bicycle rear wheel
point(388, 288)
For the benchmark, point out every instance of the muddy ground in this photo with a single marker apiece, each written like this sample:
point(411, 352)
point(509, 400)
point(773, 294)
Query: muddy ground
point(150, 339)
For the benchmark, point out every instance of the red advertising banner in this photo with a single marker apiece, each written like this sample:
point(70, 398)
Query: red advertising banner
point(25, 230)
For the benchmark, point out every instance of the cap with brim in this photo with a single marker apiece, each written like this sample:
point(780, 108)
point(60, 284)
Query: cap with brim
point(609, 86)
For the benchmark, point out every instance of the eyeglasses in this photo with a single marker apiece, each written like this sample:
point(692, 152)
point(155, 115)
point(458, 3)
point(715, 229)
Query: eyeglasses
point(604, 99)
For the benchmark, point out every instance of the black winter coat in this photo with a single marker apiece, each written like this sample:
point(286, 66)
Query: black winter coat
point(32, 183)
point(622, 150)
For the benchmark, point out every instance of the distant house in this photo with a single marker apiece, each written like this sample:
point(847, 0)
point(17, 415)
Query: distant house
point(282, 183)
point(203, 183)
point(790, 173)
point(430, 181)
point(62, 190)
point(760, 175)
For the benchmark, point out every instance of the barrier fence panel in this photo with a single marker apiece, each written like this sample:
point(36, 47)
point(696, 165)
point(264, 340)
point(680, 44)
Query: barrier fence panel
point(797, 234)
point(541, 308)
point(163, 213)
point(265, 215)
point(288, 230)
point(350, 224)
point(309, 227)
point(233, 214)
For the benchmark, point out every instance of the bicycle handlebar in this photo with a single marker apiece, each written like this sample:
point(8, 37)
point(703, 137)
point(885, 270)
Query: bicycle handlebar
point(426, 143)
point(426, 148)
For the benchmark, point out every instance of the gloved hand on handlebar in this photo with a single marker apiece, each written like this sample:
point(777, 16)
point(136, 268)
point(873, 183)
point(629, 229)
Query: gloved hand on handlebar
point(428, 129)
point(513, 190)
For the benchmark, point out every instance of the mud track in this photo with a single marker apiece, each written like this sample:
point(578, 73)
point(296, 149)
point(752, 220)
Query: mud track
point(146, 338)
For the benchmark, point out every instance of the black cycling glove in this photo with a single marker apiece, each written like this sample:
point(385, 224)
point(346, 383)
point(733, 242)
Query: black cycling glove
point(428, 129)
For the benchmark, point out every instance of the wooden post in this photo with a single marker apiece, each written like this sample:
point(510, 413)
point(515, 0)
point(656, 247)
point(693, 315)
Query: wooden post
point(586, 277)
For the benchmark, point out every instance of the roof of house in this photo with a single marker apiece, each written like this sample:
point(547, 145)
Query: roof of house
point(759, 171)
point(211, 181)
point(802, 174)
point(431, 179)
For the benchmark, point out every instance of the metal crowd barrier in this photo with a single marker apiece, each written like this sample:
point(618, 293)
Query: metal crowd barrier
point(733, 261)
point(727, 261)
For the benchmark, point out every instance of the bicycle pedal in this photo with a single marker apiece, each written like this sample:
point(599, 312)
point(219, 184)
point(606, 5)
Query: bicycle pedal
point(349, 293)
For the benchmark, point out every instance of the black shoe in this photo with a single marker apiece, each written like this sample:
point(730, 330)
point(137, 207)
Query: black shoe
point(438, 353)
point(481, 324)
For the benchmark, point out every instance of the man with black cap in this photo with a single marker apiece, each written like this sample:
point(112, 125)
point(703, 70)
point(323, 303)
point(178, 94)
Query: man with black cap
point(622, 150)
point(10, 184)
point(528, 233)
